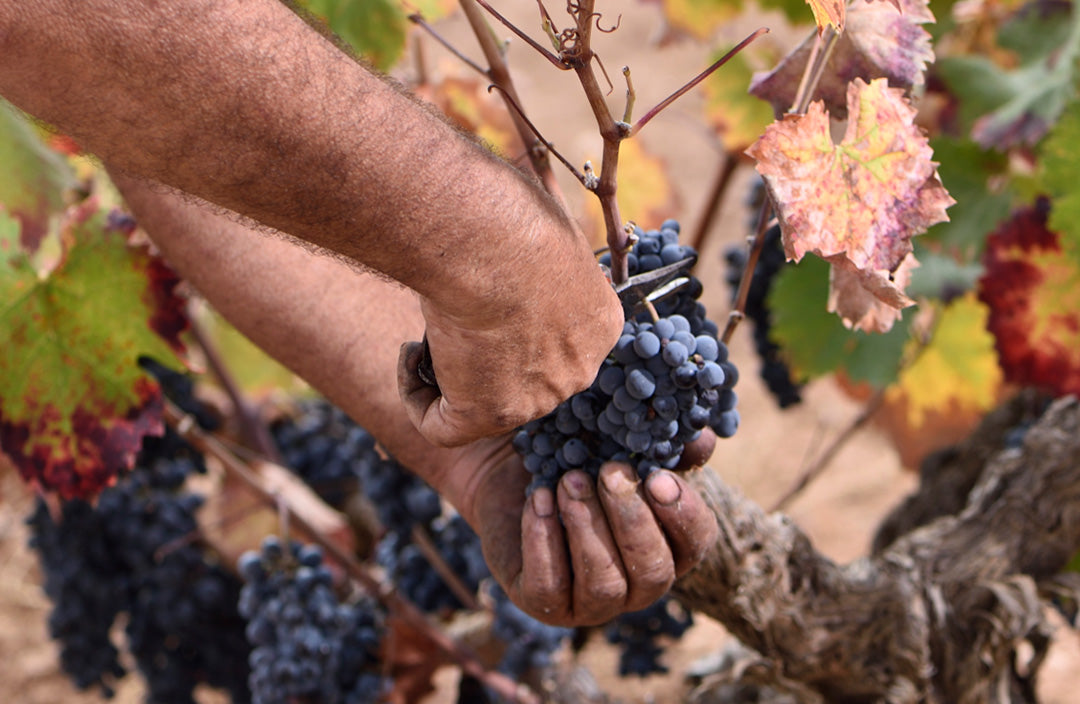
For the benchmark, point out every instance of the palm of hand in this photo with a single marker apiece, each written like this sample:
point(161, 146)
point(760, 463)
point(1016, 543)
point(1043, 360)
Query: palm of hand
point(593, 551)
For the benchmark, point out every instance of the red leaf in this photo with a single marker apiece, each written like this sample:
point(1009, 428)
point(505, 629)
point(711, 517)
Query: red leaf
point(1032, 287)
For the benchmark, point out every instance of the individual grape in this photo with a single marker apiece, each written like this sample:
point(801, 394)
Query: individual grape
point(646, 344)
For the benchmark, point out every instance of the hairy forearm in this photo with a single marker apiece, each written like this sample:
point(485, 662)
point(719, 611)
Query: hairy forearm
point(338, 328)
point(241, 103)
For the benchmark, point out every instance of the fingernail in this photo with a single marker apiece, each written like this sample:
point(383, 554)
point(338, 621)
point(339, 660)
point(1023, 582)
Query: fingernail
point(663, 488)
point(617, 481)
point(578, 485)
point(543, 504)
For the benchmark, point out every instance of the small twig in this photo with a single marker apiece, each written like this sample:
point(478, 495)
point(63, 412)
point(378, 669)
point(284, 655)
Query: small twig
point(405, 609)
point(499, 74)
point(630, 96)
point(252, 429)
point(814, 69)
point(814, 470)
point(716, 197)
point(516, 109)
point(418, 19)
point(427, 547)
point(555, 60)
point(739, 307)
point(695, 80)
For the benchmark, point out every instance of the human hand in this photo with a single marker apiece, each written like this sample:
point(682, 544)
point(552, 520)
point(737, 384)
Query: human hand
point(591, 551)
point(498, 371)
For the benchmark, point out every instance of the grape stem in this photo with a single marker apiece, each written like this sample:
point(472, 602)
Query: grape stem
point(738, 310)
point(252, 429)
point(402, 607)
point(422, 540)
point(418, 19)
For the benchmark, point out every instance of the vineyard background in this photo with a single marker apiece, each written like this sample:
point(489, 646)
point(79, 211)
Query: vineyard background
point(839, 512)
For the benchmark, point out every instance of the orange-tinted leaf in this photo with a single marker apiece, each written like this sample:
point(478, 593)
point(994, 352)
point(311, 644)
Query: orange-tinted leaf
point(948, 387)
point(74, 405)
point(828, 13)
point(1033, 289)
point(880, 41)
point(857, 203)
point(869, 300)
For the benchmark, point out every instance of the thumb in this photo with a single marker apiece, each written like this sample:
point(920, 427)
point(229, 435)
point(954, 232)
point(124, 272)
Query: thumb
point(423, 402)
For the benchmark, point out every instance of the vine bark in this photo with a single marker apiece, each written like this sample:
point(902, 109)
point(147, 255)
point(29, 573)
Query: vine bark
point(943, 614)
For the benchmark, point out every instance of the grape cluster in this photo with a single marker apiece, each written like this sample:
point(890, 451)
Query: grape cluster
point(325, 448)
point(664, 382)
point(774, 371)
point(529, 643)
point(307, 644)
point(639, 634)
point(133, 554)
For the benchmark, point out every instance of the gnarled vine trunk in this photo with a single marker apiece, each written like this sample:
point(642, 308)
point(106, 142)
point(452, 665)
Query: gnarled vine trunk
point(936, 615)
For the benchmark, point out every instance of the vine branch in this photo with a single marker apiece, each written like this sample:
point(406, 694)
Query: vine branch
point(402, 607)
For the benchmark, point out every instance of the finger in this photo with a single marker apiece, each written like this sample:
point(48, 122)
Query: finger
point(423, 403)
point(689, 524)
point(643, 548)
point(697, 452)
point(545, 581)
point(599, 590)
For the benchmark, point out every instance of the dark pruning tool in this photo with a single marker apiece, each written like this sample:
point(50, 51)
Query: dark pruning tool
point(635, 294)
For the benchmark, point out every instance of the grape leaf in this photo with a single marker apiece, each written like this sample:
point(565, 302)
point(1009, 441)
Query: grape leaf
point(74, 405)
point(856, 204)
point(1032, 287)
point(942, 277)
point(983, 199)
point(1059, 174)
point(957, 365)
point(32, 176)
point(737, 116)
point(374, 28)
point(816, 343)
point(828, 13)
point(949, 385)
point(880, 41)
point(1016, 107)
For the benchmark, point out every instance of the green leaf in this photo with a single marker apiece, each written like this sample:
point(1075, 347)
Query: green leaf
point(979, 85)
point(941, 277)
point(374, 28)
point(816, 343)
point(33, 178)
point(1059, 175)
point(1037, 30)
point(971, 174)
point(1027, 101)
point(74, 405)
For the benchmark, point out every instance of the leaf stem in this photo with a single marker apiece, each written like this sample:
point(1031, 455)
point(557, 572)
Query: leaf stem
point(738, 310)
point(814, 69)
point(555, 60)
point(418, 19)
point(696, 79)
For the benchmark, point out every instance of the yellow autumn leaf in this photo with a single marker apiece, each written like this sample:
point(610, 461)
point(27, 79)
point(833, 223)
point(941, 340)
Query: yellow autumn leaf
point(957, 370)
